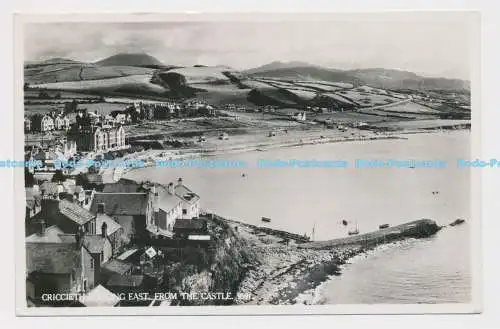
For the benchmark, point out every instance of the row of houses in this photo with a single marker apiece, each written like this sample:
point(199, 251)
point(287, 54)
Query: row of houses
point(169, 110)
point(99, 138)
point(78, 245)
point(45, 123)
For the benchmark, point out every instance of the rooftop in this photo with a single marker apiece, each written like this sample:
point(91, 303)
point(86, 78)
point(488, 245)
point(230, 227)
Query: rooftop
point(186, 194)
point(94, 243)
point(112, 226)
point(127, 254)
point(53, 258)
point(53, 234)
point(118, 266)
point(128, 204)
point(100, 296)
point(50, 187)
point(74, 212)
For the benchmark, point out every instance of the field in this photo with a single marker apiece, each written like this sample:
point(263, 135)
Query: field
point(103, 108)
point(77, 72)
point(339, 98)
point(41, 109)
point(341, 85)
point(423, 124)
point(32, 95)
point(202, 74)
point(410, 108)
point(367, 99)
point(349, 117)
point(222, 94)
point(318, 86)
point(139, 83)
point(303, 94)
point(255, 84)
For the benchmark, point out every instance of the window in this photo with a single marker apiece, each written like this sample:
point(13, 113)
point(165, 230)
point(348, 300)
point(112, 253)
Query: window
point(84, 284)
point(92, 263)
point(102, 256)
point(184, 211)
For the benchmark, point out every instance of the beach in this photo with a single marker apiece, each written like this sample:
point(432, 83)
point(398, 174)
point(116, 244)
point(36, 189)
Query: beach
point(256, 141)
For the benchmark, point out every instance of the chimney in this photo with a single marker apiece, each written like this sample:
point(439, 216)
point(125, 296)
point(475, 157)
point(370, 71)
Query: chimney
point(179, 181)
point(100, 208)
point(104, 230)
point(80, 234)
point(43, 226)
point(156, 200)
point(170, 188)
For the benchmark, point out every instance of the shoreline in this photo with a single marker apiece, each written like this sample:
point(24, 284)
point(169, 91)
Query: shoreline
point(150, 157)
point(291, 273)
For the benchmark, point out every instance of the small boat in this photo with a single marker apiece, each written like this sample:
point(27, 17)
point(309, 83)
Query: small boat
point(266, 219)
point(353, 232)
point(243, 175)
point(383, 226)
point(344, 222)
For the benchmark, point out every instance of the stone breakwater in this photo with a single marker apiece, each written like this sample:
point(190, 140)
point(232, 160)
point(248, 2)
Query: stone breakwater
point(286, 268)
point(417, 229)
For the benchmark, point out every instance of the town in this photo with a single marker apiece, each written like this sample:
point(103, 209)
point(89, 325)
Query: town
point(102, 240)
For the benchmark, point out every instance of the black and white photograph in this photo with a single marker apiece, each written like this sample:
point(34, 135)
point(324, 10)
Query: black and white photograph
point(300, 161)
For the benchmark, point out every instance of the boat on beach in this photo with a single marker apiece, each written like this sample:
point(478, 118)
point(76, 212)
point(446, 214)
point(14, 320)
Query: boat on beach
point(383, 226)
point(266, 219)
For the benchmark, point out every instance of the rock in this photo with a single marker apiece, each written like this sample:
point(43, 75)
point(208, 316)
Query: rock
point(458, 221)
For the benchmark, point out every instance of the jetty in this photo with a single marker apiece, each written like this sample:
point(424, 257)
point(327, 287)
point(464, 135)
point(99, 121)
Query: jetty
point(417, 229)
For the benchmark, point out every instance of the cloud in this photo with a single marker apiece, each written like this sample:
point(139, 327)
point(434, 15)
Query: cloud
point(421, 43)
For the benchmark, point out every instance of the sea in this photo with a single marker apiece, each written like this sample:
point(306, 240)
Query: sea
point(318, 201)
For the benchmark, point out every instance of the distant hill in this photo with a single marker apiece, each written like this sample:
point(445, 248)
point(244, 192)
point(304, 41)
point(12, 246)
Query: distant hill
point(311, 73)
point(374, 77)
point(139, 59)
point(277, 66)
point(52, 61)
point(396, 79)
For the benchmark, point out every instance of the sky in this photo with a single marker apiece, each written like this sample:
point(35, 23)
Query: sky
point(438, 44)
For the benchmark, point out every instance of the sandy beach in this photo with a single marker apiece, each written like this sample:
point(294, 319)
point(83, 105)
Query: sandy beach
point(257, 141)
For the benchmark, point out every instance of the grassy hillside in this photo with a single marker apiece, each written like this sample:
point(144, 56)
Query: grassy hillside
point(279, 84)
point(132, 84)
point(377, 77)
point(308, 73)
point(63, 72)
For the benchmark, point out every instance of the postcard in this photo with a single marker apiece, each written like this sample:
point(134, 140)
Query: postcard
point(248, 163)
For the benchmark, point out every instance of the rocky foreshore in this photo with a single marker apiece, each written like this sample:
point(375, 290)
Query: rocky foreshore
point(286, 268)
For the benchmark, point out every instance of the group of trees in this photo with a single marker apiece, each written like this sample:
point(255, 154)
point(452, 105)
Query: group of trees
point(43, 94)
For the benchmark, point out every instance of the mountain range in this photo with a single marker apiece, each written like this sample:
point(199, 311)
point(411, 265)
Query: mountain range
point(281, 83)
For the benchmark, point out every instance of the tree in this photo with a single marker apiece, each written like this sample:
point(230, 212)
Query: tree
point(71, 107)
point(82, 180)
point(28, 178)
point(58, 176)
point(57, 95)
point(26, 86)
